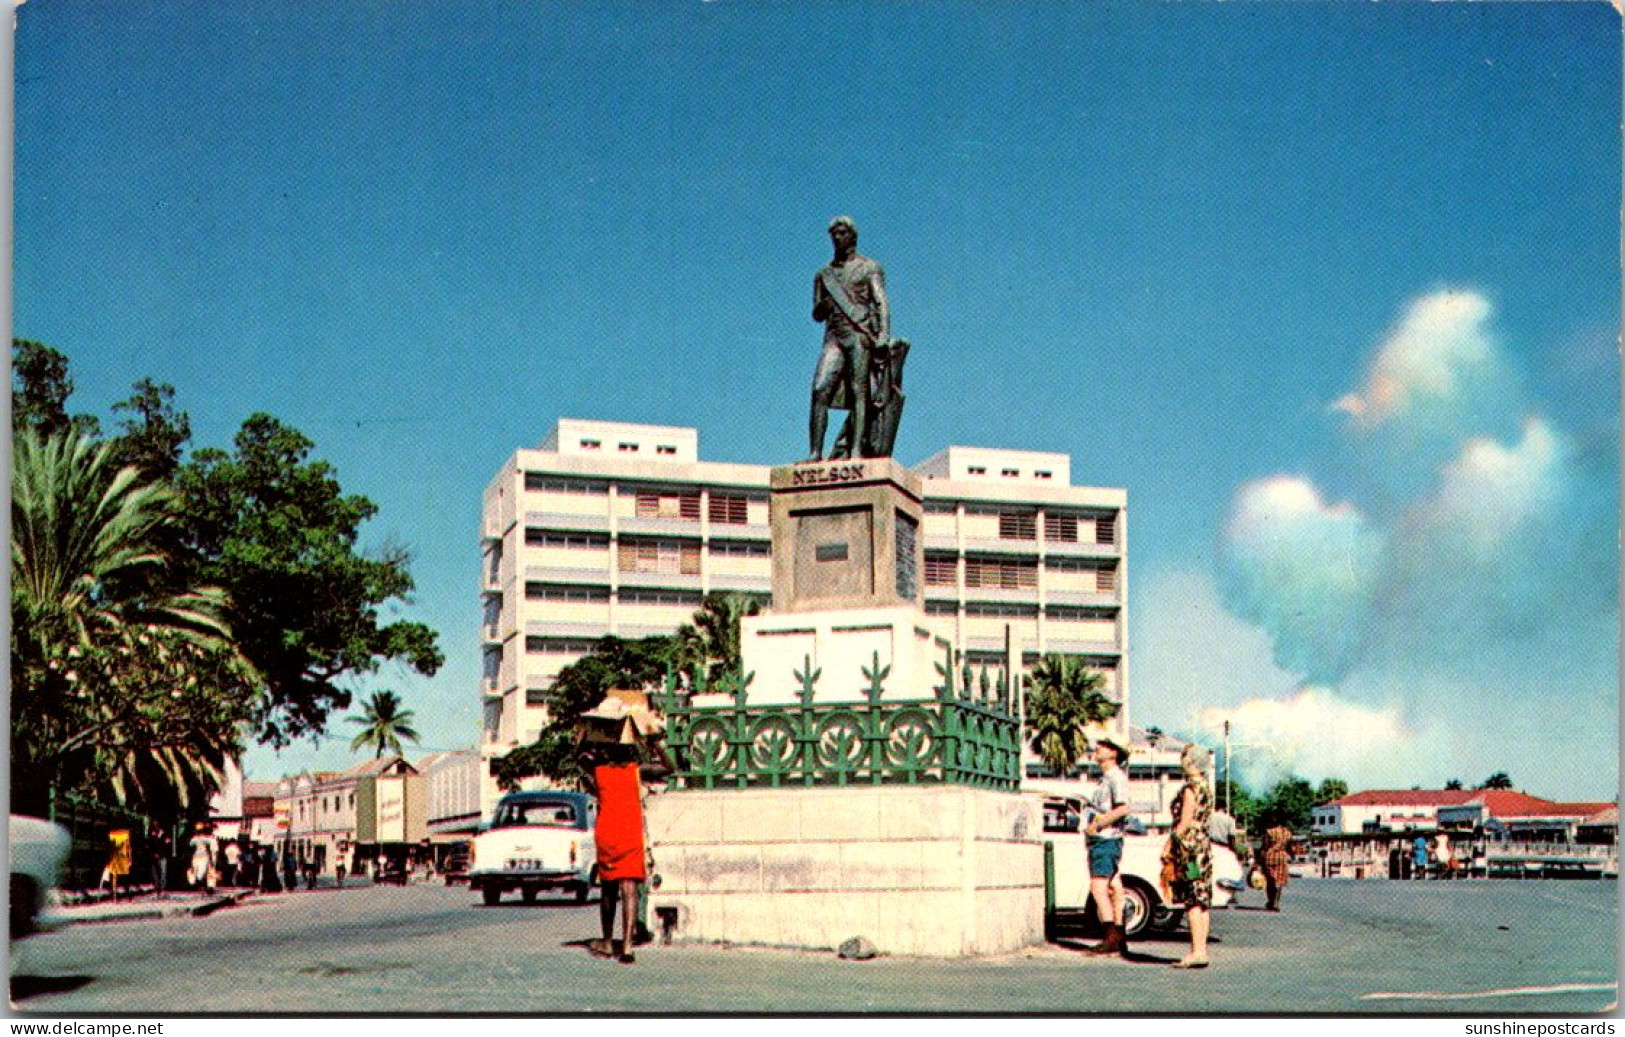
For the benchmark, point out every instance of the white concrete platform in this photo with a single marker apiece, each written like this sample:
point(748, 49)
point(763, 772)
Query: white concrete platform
point(939, 871)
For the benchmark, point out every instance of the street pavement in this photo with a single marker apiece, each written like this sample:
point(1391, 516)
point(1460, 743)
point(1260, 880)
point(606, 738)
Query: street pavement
point(1496, 948)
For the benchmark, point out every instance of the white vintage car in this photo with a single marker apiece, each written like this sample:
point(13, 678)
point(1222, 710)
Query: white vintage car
point(1144, 905)
point(537, 841)
point(38, 849)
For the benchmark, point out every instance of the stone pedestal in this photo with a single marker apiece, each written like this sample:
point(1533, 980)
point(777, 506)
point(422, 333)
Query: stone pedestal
point(939, 871)
point(846, 534)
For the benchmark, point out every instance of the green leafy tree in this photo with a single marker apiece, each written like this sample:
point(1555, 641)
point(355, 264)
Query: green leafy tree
point(274, 528)
point(383, 724)
point(1331, 789)
point(40, 388)
point(118, 690)
point(1154, 736)
point(153, 435)
point(614, 663)
point(1498, 780)
point(1453, 784)
point(1064, 700)
point(1293, 800)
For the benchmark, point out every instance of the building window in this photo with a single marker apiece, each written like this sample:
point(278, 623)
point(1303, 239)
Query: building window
point(729, 509)
point(1001, 573)
point(1018, 525)
point(559, 645)
point(1060, 527)
point(668, 504)
point(646, 596)
point(740, 548)
point(627, 448)
point(1106, 579)
point(565, 592)
point(1039, 473)
point(590, 444)
point(941, 570)
point(549, 484)
point(535, 537)
point(976, 469)
point(535, 696)
point(941, 608)
point(1072, 613)
point(1004, 609)
point(665, 449)
point(1010, 473)
point(1106, 529)
point(659, 556)
point(940, 507)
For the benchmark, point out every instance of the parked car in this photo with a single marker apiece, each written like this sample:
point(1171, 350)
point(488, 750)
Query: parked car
point(1144, 906)
point(39, 848)
point(456, 868)
point(537, 841)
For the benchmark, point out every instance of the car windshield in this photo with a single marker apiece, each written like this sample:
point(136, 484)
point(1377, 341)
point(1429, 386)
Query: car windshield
point(554, 814)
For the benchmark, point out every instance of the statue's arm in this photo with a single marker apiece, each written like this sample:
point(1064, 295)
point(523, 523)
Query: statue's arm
point(820, 300)
point(882, 307)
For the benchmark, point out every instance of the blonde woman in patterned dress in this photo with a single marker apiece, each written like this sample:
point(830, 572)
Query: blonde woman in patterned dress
point(1192, 854)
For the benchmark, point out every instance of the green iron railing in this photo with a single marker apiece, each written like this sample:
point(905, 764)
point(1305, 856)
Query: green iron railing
point(967, 734)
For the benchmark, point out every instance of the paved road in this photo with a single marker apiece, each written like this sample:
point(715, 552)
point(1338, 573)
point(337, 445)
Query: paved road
point(432, 950)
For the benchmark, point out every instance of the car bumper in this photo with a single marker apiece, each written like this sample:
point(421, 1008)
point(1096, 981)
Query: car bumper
point(512, 879)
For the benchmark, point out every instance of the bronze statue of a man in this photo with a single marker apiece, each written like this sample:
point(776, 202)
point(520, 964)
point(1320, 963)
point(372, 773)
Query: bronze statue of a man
point(849, 299)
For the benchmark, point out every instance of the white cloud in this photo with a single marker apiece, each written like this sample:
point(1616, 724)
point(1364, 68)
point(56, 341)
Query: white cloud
point(1314, 733)
point(1490, 490)
point(1302, 569)
point(1438, 342)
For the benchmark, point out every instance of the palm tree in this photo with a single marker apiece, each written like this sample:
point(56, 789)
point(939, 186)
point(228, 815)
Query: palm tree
point(383, 724)
point(710, 644)
point(1452, 785)
point(1064, 700)
point(1153, 736)
point(121, 682)
point(1498, 780)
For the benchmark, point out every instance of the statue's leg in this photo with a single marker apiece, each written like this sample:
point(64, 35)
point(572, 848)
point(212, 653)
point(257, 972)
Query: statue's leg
point(826, 377)
point(860, 399)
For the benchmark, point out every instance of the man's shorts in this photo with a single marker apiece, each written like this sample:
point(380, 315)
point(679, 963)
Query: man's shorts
point(1104, 856)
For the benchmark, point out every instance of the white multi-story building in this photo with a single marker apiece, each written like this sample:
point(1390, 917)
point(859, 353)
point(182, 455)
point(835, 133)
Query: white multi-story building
point(611, 528)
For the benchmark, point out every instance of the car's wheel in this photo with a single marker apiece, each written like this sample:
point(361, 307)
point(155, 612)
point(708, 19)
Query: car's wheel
point(528, 894)
point(1137, 901)
point(493, 896)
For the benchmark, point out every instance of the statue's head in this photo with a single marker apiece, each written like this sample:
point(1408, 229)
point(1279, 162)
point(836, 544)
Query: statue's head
point(844, 222)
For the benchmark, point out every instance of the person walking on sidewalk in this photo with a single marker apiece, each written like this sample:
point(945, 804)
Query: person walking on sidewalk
point(1105, 830)
point(204, 849)
point(159, 850)
point(1277, 855)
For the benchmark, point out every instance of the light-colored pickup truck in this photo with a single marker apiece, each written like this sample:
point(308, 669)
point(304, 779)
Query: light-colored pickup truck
point(1144, 905)
point(537, 841)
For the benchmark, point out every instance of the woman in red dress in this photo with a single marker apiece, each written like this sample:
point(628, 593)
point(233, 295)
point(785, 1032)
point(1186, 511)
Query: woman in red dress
point(612, 775)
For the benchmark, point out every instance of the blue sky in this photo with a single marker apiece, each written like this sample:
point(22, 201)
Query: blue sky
point(1331, 289)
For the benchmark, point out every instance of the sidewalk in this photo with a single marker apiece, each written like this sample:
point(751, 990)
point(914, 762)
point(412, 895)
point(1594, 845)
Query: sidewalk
point(141, 905)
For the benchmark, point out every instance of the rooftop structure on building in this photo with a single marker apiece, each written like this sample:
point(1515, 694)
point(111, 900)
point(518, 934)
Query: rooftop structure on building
point(1389, 810)
point(611, 528)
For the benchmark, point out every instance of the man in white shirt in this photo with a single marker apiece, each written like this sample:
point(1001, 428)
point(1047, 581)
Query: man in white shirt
point(1111, 804)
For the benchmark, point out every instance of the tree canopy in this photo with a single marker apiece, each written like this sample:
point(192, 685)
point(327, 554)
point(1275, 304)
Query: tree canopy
point(1498, 780)
point(260, 544)
point(275, 529)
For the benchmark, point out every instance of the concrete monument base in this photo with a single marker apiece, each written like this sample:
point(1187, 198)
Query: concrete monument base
point(940, 871)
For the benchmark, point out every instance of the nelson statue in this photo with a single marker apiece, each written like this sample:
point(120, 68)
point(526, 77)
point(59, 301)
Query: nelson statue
point(861, 367)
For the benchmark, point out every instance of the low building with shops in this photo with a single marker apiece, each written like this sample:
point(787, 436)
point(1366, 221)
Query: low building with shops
point(1480, 832)
point(372, 811)
point(452, 785)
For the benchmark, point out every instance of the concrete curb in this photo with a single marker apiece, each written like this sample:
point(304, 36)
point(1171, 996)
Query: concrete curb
point(145, 910)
